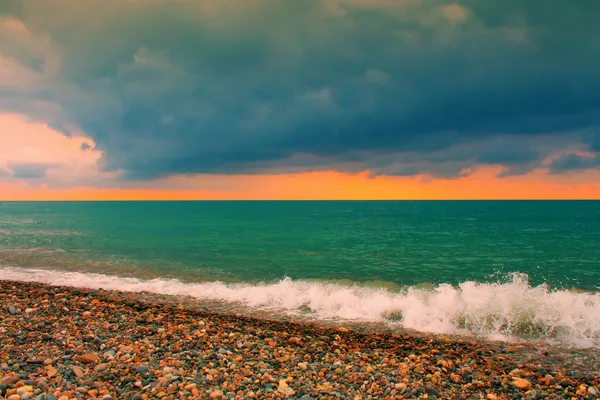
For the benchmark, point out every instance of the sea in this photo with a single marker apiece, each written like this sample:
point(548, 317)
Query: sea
point(498, 270)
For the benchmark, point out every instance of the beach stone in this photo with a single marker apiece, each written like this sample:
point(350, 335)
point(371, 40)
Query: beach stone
point(13, 397)
point(521, 383)
point(284, 389)
point(217, 394)
point(24, 389)
point(100, 367)
point(109, 354)
point(592, 391)
point(88, 358)
point(10, 380)
point(50, 396)
point(303, 366)
point(51, 372)
point(12, 310)
point(42, 384)
point(141, 369)
point(78, 372)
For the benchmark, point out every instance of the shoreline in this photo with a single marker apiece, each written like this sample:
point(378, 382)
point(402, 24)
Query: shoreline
point(88, 343)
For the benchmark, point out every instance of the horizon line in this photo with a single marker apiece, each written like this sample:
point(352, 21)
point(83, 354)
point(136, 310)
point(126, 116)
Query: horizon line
point(269, 200)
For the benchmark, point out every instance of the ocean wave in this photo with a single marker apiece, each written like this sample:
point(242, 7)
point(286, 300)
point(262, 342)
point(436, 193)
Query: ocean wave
point(512, 310)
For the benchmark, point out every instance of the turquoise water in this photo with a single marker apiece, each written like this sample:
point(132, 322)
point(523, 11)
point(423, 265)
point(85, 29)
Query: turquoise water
point(515, 270)
point(401, 242)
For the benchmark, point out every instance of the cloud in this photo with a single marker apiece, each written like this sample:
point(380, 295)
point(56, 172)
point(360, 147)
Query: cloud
point(574, 162)
point(38, 155)
point(28, 171)
point(399, 87)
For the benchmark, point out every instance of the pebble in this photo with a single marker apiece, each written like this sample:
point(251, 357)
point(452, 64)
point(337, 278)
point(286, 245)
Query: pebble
point(78, 372)
point(88, 358)
point(100, 367)
point(24, 389)
point(521, 383)
point(51, 372)
point(284, 389)
point(141, 369)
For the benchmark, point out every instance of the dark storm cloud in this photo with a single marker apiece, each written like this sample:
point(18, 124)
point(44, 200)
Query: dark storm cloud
point(399, 87)
point(574, 162)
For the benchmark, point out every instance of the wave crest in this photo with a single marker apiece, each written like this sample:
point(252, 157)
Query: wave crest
point(512, 310)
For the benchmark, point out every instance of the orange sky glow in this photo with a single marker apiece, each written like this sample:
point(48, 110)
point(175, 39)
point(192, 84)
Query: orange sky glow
point(325, 186)
point(73, 174)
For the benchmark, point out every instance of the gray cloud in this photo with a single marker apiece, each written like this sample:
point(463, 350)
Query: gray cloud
point(28, 170)
point(401, 87)
point(574, 162)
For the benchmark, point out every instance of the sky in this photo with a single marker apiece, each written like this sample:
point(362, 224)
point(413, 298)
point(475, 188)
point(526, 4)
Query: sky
point(312, 99)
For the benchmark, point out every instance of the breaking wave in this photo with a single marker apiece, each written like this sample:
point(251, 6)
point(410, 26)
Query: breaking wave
point(512, 310)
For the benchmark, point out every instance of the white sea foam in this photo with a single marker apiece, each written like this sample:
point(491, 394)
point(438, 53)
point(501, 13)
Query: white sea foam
point(503, 311)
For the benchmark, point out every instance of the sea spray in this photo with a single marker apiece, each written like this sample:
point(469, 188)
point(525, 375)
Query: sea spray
point(509, 310)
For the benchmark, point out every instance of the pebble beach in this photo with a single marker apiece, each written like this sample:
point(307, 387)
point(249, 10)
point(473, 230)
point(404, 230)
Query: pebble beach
point(67, 343)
